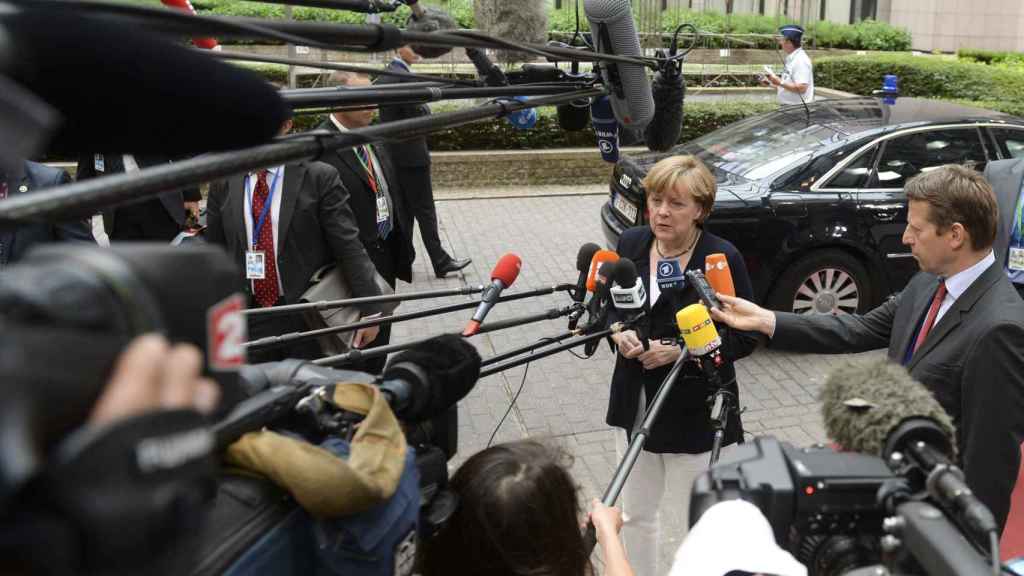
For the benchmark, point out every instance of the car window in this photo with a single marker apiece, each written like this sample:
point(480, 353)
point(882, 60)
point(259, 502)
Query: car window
point(906, 156)
point(1010, 141)
point(855, 174)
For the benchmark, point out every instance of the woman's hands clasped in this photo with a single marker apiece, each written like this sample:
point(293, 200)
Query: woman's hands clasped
point(657, 355)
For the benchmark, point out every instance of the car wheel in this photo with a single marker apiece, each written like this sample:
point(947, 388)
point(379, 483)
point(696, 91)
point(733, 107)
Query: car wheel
point(828, 281)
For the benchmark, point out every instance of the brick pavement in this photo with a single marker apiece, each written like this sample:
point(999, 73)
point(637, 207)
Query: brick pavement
point(564, 398)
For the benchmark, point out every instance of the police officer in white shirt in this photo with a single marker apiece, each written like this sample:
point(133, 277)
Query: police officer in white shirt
point(796, 85)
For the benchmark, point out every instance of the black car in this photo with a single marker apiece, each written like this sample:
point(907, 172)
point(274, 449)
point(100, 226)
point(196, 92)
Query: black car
point(813, 197)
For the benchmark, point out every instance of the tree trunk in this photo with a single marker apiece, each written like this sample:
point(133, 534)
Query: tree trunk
point(516, 20)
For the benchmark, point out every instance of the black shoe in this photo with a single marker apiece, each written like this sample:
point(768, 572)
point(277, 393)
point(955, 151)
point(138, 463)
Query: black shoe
point(452, 265)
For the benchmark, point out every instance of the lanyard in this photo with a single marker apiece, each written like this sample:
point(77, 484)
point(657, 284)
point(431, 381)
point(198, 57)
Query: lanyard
point(1020, 216)
point(367, 165)
point(258, 226)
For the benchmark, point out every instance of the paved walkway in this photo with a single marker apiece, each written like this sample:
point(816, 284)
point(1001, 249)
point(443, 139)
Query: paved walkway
point(563, 398)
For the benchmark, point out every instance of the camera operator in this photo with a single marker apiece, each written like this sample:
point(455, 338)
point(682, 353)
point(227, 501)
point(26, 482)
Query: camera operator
point(958, 326)
point(680, 196)
point(518, 513)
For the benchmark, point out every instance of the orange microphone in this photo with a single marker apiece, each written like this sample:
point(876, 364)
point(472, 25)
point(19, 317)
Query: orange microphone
point(718, 274)
point(186, 6)
point(601, 258)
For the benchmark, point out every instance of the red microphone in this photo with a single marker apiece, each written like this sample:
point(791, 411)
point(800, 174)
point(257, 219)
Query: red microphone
point(504, 274)
point(718, 274)
point(186, 6)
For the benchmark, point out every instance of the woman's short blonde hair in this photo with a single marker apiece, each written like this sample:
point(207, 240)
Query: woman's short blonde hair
point(667, 174)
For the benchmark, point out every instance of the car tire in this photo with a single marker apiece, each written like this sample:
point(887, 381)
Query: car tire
point(824, 282)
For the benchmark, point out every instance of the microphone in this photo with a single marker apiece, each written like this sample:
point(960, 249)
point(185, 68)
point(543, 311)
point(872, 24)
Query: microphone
point(629, 296)
point(573, 117)
point(669, 275)
point(429, 19)
point(504, 274)
point(668, 89)
point(485, 68)
point(614, 32)
point(595, 274)
point(606, 127)
point(879, 409)
point(583, 259)
point(220, 107)
point(704, 289)
point(186, 6)
point(700, 336)
point(718, 274)
point(425, 381)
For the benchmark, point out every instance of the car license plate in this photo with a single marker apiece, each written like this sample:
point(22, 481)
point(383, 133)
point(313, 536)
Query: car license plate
point(625, 208)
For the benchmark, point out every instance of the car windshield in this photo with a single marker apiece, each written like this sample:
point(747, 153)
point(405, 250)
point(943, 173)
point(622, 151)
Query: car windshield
point(761, 146)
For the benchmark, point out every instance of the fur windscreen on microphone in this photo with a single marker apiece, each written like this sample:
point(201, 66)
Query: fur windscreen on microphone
point(452, 366)
point(433, 20)
point(121, 89)
point(863, 404)
point(585, 255)
point(625, 273)
point(669, 90)
point(574, 116)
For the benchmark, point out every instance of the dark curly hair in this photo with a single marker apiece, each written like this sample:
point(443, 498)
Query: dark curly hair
point(518, 515)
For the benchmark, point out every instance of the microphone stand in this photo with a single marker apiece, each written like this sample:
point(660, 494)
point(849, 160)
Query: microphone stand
point(636, 444)
point(273, 341)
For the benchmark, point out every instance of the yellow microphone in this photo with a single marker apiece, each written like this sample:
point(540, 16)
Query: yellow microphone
point(698, 330)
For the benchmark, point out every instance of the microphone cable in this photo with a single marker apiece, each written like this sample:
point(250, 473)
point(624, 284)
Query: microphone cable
point(522, 384)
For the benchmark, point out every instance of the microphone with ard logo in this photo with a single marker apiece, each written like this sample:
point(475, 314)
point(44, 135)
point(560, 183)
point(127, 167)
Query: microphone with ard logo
point(670, 275)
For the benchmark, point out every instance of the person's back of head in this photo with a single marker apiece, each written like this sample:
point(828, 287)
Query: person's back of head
point(518, 515)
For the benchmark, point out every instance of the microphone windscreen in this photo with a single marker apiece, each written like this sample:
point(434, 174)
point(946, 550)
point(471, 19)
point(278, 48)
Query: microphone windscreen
point(606, 128)
point(698, 331)
point(625, 273)
point(433, 20)
point(452, 366)
point(121, 89)
point(186, 6)
point(601, 259)
point(614, 32)
point(585, 255)
point(863, 404)
point(669, 90)
point(574, 116)
point(719, 275)
point(507, 269)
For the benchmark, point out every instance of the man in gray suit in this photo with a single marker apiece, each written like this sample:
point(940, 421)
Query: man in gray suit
point(1007, 180)
point(958, 326)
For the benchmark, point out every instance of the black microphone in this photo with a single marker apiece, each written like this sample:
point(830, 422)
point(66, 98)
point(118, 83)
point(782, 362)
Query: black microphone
point(629, 296)
point(583, 260)
point(101, 77)
point(429, 19)
point(574, 116)
point(879, 409)
point(614, 32)
point(669, 90)
point(504, 274)
point(487, 70)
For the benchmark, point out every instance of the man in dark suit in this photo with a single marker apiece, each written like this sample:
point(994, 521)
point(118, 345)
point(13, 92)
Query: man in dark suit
point(159, 219)
point(1007, 180)
point(282, 225)
point(958, 326)
point(14, 242)
point(412, 160)
point(385, 224)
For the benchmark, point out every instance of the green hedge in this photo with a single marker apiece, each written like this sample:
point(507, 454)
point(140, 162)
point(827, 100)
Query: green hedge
point(925, 76)
point(699, 119)
point(990, 56)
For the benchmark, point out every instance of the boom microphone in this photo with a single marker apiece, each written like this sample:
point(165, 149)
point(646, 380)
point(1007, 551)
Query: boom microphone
point(220, 107)
point(719, 274)
point(449, 366)
point(879, 409)
point(606, 128)
point(668, 92)
point(485, 68)
point(614, 32)
point(429, 19)
point(504, 274)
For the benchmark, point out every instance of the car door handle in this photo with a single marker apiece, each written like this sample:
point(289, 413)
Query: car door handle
point(885, 216)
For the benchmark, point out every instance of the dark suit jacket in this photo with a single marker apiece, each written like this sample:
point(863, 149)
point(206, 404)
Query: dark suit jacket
point(173, 202)
point(316, 228)
point(683, 424)
point(364, 207)
point(16, 241)
point(412, 152)
point(972, 361)
point(1006, 177)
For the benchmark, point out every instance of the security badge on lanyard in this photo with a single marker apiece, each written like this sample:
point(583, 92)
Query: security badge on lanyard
point(383, 210)
point(256, 260)
point(1015, 259)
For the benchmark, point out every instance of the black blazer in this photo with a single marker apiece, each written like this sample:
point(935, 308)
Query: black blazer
point(16, 241)
point(972, 361)
point(364, 207)
point(316, 228)
point(412, 152)
point(683, 424)
point(173, 202)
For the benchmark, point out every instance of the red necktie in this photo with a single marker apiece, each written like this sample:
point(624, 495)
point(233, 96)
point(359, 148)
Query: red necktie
point(929, 320)
point(265, 291)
